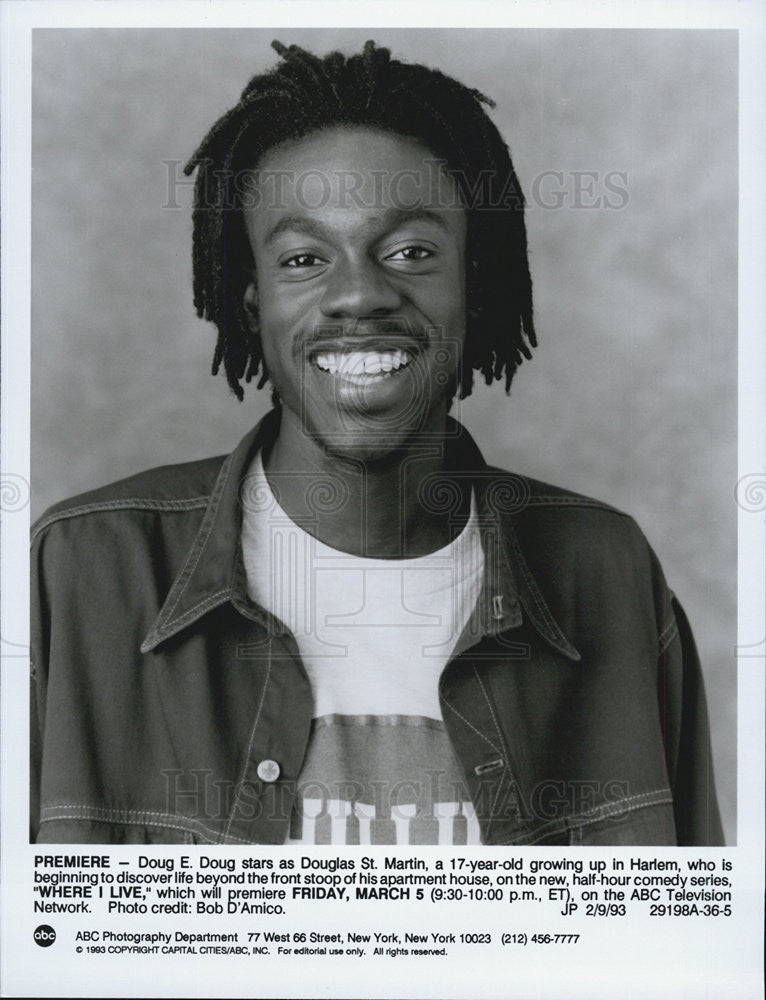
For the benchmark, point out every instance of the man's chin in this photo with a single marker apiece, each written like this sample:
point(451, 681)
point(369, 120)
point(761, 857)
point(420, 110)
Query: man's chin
point(361, 439)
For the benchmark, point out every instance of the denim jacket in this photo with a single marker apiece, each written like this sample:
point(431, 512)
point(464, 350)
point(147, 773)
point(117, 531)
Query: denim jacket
point(163, 697)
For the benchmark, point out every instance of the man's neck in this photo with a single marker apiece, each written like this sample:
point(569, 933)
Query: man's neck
point(381, 508)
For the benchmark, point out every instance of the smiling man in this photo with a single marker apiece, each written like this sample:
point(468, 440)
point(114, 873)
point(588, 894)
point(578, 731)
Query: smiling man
point(359, 304)
point(351, 629)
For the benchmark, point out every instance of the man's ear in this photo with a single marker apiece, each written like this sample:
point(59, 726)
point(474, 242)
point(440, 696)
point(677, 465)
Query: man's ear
point(250, 302)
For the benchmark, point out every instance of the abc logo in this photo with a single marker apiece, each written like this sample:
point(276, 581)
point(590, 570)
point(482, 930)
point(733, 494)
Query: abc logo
point(44, 935)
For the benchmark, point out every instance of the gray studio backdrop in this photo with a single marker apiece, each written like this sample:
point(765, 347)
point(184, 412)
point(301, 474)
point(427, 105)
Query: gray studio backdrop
point(626, 146)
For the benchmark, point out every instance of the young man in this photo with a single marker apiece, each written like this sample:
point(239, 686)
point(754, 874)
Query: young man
point(351, 629)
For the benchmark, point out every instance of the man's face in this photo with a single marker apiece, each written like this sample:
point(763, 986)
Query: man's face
point(359, 245)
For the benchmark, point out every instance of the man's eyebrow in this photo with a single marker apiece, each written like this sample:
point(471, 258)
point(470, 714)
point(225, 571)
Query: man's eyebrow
point(297, 224)
point(403, 215)
point(390, 220)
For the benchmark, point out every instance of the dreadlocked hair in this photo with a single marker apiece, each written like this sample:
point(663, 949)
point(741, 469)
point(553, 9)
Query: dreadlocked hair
point(305, 94)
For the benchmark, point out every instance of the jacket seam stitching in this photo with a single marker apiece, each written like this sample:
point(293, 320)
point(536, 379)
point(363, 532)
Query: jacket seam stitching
point(126, 817)
point(549, 624)
point(133, 503)
point(667, 635)
point(566, 498)
point(545, 501)
point(178, 623)
point(471, 726)
point(500, 738)
point(241, 782)
point(190, 566)
point(660, 796)
point(540, 607)
point(610, 809)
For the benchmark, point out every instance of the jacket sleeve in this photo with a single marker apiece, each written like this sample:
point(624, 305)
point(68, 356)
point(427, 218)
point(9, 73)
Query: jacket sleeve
point(686, 733)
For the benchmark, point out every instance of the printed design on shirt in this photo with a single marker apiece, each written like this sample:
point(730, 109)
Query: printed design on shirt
point(381, 779)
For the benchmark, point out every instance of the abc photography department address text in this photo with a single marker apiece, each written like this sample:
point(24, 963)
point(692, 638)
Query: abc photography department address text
point(298, 905)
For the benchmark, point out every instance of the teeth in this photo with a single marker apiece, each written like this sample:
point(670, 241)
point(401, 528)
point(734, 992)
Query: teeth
point(328, 361)
point(363, 362)
point(351, 364)
point(400, 359)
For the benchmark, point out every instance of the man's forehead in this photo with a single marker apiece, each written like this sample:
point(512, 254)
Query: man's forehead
point(356, 168)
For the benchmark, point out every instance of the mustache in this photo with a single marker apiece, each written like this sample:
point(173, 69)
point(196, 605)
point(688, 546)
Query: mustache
point(362, 332)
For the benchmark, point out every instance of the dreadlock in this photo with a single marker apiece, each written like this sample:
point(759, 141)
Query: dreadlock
point(304, 94)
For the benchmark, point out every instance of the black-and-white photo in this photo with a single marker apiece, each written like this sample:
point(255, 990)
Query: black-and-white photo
point(462, 566)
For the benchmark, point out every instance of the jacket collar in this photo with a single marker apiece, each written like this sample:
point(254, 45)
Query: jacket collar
point(213, 572)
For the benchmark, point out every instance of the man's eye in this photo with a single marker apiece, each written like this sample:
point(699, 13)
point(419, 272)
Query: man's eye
point(302, 260)
point(413, 252)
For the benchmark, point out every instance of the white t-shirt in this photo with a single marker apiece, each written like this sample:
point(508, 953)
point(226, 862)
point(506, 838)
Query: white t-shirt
point(374, 636)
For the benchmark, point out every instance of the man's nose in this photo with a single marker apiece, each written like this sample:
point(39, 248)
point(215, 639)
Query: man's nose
point(358, 288)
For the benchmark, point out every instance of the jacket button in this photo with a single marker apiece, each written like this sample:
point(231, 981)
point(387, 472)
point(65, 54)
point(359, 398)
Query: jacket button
point(268, 770)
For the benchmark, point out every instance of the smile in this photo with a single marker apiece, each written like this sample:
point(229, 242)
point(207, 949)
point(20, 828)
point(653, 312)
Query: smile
point(362, 366)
